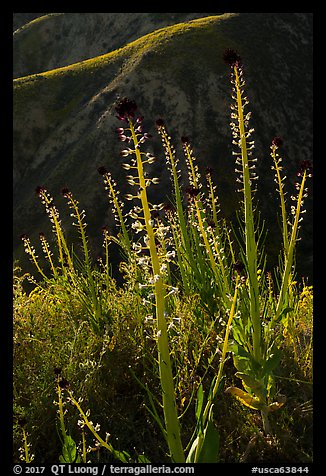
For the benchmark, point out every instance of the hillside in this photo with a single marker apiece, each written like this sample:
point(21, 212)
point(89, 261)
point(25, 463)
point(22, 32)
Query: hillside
point(40, 44)
point(64, 123)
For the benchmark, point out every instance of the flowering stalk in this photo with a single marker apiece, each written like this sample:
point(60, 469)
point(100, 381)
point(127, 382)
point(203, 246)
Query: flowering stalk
point(119, 455)
point(254, 365)
point(79, 216)
point(276, 143)
point(25, 455)
point(210, 241)
point(47, 252)
point(126, 111)
point(179, 225)
point(30, 250)
point(64, 253)
point(80, 224)
point(117, 206)
point(241, 133)
point(27, 458)
point(296, 211)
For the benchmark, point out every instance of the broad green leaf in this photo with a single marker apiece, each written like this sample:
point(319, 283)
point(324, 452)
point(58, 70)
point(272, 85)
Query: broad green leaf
point(192, 451)
point(251, 383)
point(245, 398)
point(244, 361)
point(239, 350)
point(272, 362)
point(210, 441)
point(69, 451)
point(241, 363)
point(200, 401)
point(284, 312)
point(210, 450)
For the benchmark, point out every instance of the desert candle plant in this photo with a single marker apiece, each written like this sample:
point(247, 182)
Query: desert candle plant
point(126, 111)
point(241, 133)
point(257, 352)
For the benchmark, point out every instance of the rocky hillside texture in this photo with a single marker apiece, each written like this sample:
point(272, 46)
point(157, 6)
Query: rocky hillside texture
point(69, 69)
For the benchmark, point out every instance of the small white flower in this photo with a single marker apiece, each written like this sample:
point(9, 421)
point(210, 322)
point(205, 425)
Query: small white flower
point(154, 279)
point(126, 152)
point(170, 254)
point(163, 267)
point(137, 226)
point(149, 320)
point(173, 291)
point(143, 260)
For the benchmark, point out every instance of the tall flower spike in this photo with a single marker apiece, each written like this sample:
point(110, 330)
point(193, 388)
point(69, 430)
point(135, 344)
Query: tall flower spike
point(279, 180)
point(169, 151)
point(193, 173)
point(30, 251)
point(47, 252)
point(117, 204)
point(241, 133)
point(152, 233)
point(52, 212)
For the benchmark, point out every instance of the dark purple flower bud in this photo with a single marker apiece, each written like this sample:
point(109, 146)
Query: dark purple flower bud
point(239, 267)
point(209, 170)
point(192, 191)
point(105, 230)
point(159, 123)
point(66, 192)
point(102, 170)
point(185, 140)
point(168, 208)
point(57, 371)
point(231, 57)
point(126, 109)
point(277, 141)
point(39, 190)
point(22, 421)
point(63, 383)
point(24, 237)
point(41, 235)
point(305, 166)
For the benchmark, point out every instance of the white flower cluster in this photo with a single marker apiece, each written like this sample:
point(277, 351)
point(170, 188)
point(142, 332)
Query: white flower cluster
point(22, 451)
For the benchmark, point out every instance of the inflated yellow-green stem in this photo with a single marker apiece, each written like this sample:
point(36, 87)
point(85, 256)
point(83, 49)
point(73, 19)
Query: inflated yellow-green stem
point(165, 369)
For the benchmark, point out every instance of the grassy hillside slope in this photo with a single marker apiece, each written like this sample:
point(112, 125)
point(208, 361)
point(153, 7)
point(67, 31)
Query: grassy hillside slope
point(41, 44)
